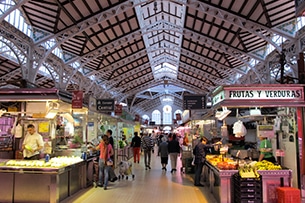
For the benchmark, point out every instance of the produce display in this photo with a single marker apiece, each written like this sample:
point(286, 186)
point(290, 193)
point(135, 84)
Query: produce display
point(55, 162)
point(222, 163)
point(229, 164)
point(247, 171)
point(266, 165)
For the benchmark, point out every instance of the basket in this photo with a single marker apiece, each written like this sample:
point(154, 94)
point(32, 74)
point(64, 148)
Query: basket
point(288, 195)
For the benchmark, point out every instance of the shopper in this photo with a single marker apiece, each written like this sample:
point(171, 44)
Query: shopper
point(32, 144)
point(265, 148)
point(174, 151)
point(112, 176)
point(147, 146)
point(136, 146)
point(106, 151)
point(200, 152)
point(163, 151)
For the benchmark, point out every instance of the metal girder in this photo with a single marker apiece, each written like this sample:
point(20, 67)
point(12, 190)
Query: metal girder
point(14, 35)
point(21, 57)
point(118, 64)
point(116, 80)
point(156, 82)
point(70, 32)
point(239, 21)
point(11, 74)
point(18, 4)
point(74, 30)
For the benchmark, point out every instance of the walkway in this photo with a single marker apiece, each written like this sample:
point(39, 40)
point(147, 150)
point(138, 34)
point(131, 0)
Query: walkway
point(149, 186)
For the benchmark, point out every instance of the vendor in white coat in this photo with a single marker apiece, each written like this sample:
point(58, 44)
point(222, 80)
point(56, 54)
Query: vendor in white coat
point(32, 144)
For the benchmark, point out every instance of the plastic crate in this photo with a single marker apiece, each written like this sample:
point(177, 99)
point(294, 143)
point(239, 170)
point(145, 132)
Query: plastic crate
point(288, 195)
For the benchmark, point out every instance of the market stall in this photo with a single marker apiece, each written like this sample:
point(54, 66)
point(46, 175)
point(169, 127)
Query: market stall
point(220, 182)
point(29, 183)
point(272, 111)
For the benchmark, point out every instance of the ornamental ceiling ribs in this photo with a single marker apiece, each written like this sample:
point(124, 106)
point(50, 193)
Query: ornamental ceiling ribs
point(138, 51)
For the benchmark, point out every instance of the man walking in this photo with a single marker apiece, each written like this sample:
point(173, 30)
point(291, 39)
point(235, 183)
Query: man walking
point(147, 146)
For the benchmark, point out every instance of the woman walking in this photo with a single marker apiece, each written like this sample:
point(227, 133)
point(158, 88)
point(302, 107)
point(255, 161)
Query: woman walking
point(174, 150)
point(106, 151)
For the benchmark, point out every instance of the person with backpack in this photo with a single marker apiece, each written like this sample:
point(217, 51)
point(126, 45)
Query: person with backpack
point(199, 152)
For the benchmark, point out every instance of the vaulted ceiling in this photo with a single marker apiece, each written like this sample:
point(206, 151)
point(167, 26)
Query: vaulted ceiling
point(140, 51)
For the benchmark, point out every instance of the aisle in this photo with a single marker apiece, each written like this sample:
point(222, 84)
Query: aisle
point(149, 186)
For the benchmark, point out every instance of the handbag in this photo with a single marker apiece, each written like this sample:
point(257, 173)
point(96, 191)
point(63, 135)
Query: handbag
point(109, 162)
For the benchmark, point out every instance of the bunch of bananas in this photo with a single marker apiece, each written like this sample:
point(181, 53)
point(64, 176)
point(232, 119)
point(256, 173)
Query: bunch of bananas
point(267, 165)
point(248, 172)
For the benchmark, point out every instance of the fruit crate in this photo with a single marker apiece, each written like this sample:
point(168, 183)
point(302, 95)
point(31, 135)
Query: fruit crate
point(248, 190)
point(288, 195)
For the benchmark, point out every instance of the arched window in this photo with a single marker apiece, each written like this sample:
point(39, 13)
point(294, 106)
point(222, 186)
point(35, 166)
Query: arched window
point(177, 112)
point(145, 119)
point(167, 115)
point(156, 116)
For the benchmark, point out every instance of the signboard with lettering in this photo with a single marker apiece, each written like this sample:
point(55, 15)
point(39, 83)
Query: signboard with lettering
point(118, 109)
point(77, 99)
point(260, 94)
point(194, 102)
point(105, 105)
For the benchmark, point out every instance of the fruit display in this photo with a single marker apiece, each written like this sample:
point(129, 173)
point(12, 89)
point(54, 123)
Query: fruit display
point(266, 165)
point(221, 162)
point(55, 162)
point(247, 171)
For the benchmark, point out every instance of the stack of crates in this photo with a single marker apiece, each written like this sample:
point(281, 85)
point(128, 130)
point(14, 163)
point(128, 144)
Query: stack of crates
point(247, 190)
point(288, 195)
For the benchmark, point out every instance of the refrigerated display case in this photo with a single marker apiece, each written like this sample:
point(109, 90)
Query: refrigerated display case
point(40, 184)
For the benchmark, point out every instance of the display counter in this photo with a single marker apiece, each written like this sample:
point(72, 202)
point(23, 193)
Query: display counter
point(219, 182)
point(34, 184)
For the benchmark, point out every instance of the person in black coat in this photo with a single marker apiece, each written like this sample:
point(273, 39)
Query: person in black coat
point(174, 151)
point(136, 145)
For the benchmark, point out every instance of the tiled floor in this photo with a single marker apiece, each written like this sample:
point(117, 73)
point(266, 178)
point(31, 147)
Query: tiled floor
point(149, 186)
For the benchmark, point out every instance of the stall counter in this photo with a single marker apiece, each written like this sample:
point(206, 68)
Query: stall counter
point(219, 182)
point(34, 184)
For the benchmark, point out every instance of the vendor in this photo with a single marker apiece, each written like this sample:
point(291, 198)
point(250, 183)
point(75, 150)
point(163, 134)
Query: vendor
point(32, 144)
point(265, 149)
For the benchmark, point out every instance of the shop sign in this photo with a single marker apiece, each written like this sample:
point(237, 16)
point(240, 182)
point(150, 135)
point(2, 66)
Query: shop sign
point(280, 153)
point(218, 97)
point(265, 131)
point(118, 109)
point(194, 102)
point(280, 93)
point(137, 117)
point(77, 99)
point(105, 105)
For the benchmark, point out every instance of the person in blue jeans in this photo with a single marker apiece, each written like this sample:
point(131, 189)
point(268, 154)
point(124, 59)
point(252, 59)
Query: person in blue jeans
point(106, 151)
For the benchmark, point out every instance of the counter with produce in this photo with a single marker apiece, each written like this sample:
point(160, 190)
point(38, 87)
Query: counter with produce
point(40, 181)
point(219, 172)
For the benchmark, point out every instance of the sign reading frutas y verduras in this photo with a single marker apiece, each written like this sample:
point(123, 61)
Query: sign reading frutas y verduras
point(264, 94)
point(260, 92)
point(105, 105)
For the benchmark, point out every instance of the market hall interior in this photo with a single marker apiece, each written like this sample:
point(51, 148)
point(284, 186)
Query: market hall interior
point(149, 186)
